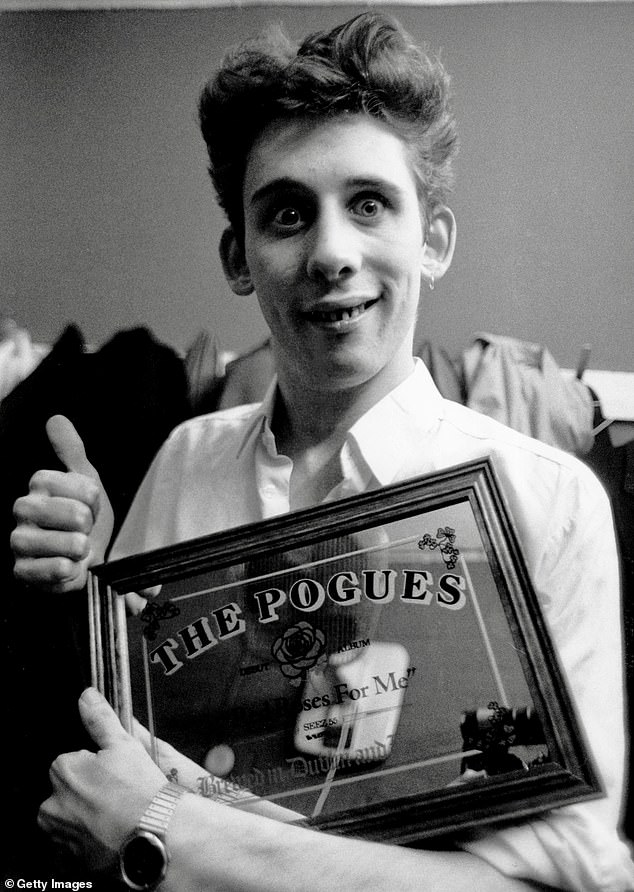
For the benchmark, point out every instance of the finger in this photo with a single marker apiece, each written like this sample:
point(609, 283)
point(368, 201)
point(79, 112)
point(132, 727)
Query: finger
point(52, 820)
point(69, 446)
point(65, 766)
point(141, 733)
point(56, 575)
point(135, 603)
point(66, 484)
point(45, 814)
point(100, 719)
point(155, 746)
point(54, 513)
point(151, 592)
point(33, 542)
point(49, 814)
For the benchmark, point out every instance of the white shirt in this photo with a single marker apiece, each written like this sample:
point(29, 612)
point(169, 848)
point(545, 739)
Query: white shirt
point(222, 470)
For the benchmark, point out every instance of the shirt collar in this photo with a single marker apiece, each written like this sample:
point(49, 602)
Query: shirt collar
point(261, 422)
point(394, 425)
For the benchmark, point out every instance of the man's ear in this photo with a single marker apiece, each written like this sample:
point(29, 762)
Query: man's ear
point(439, 245)
point(234, 263)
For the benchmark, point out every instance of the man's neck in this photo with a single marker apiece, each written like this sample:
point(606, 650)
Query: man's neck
point(313, 442)
point(311, 428)
point(305, 420)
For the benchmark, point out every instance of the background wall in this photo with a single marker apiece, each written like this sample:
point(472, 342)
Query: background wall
point(107, 217)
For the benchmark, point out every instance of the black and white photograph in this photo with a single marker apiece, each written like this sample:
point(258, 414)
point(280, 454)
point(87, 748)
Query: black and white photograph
point(317, 428)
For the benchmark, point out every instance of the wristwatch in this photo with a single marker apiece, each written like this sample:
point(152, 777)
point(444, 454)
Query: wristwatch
point(143, 857)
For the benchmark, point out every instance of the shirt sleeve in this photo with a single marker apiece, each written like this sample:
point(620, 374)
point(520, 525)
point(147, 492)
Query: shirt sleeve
point(150, 522)
point(578, 847)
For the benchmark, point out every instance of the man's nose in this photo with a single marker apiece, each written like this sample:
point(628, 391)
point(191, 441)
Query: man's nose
point(334, 250)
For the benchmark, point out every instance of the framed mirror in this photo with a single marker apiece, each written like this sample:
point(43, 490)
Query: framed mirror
point(379, 665)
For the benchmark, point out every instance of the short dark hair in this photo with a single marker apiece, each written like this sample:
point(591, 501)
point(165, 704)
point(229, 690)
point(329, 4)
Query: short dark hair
point(369, 64)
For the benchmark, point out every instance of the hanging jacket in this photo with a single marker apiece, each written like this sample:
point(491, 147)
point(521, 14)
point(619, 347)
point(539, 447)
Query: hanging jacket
point(520, 384)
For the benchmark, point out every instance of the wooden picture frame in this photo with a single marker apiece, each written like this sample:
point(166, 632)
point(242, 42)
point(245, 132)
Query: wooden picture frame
point(379, 665)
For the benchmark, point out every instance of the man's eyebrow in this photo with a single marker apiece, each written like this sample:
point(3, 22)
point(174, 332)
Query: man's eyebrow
point(288, 184)
point(374, 184)
point(274, 187)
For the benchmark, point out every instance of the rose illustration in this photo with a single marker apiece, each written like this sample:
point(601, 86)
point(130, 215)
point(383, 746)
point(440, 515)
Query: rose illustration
point(299, 649)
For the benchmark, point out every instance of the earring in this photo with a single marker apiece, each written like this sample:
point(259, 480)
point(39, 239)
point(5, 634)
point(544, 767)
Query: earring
point(431, 282)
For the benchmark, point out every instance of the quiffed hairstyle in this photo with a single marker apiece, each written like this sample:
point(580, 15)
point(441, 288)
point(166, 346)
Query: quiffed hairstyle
point(369, 64)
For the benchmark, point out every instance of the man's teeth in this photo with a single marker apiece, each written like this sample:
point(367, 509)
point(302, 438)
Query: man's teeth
point(343, 315)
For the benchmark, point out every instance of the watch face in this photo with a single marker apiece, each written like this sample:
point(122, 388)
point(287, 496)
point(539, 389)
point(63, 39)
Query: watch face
point(143, 861)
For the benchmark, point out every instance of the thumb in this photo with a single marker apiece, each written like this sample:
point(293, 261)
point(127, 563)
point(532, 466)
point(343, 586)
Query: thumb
point(100, 719)
point(68, 446)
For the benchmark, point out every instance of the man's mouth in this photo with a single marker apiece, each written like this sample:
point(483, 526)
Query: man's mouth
point(339, 314)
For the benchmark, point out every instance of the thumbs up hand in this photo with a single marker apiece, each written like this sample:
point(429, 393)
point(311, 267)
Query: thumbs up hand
point(65, 522)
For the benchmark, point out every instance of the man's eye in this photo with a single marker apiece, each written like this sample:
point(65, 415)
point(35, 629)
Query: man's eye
point(288, 217)
point(367, 207)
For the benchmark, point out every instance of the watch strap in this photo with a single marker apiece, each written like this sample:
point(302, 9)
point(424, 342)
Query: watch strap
point(145, 868)
point(157, 815)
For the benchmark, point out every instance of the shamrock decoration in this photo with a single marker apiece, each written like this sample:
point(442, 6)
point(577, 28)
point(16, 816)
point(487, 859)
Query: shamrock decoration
point(153, 613)
point(444, 541)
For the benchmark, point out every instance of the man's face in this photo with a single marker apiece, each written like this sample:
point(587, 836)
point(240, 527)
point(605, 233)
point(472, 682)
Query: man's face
point(333, 243)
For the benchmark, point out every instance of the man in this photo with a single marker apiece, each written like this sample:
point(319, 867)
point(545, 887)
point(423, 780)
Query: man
point(333, 164)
